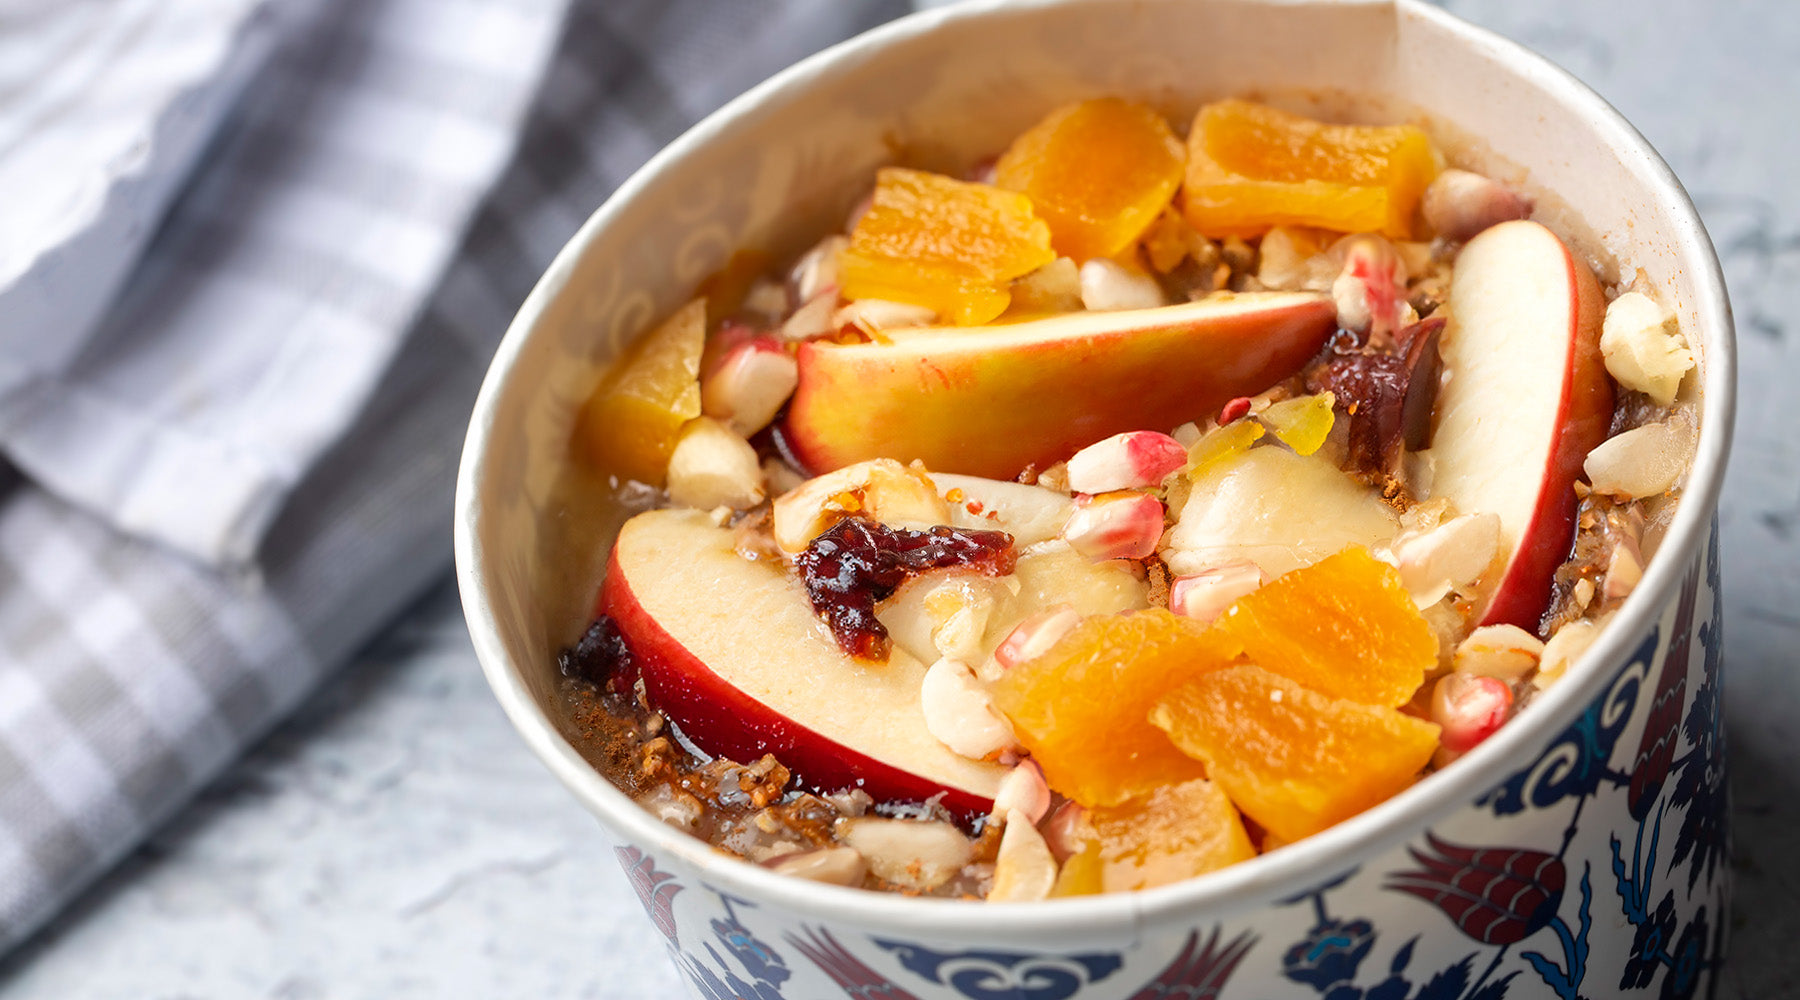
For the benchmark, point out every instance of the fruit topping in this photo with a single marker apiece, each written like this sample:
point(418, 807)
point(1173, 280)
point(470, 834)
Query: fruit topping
point(1370, 291)
point(1171, 834)
point(1081, 708)
point(1251, 167)
point(1097, 171)
point(749, 385)
point(944, 244)
point(1469, 708)
point(1344, 627)
point(1205, 595)
point(857, 562)
point(1459, 204)
point(1125, 461)
point(1124, 525)
point(629, 426)
point(1294, 760)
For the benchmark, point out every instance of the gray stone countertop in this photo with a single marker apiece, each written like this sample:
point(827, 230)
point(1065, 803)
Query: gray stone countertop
point(395, 840)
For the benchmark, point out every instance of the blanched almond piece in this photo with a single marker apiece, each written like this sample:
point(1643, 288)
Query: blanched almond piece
point(872, 316)
point(1107, 285)
point(1504, 652)
point(1641, 462)
point(1205, 595)
point(1024, 792)
point(817, 270)
point(880, 488)
point(1024, 870)
point(1565, 647)
point(1447, 556)
point(813, 318)
point(832, 865)
point(750, 384)
point(712, 466)
point(1459, 204)
point(959, 713)
point(1126, 461)
point(913, 854)
point(1644, 348)
point(1053, 288)
point(1115, 526)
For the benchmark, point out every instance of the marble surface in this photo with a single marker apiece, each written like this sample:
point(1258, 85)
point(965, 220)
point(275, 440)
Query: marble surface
point(395, 840)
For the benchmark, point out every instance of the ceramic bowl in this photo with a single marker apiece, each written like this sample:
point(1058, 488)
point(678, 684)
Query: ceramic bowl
point(1580, 850)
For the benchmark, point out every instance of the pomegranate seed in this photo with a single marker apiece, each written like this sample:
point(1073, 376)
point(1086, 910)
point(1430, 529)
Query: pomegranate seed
point(1034, 636)
point(1470, 708)
point(1205, 595)
point(751, 383)
point(1125, 461)
point(1236, 409)
point(1115, 526)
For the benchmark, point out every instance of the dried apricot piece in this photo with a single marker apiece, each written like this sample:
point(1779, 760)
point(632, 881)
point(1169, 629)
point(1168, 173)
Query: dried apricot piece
point(1251, 166)
point(1293, 760)
point(1081, 708)
point(1173, 833)
point(629, 425)
point(1345, 626)
point(1098, 171)
point(945, 244)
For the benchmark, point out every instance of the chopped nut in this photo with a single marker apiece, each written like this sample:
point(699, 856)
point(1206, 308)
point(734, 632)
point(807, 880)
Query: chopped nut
point(1642, 462)
point(1505, 652)
point(832, 865)
point(748, 387)
point(1053, 288)
point(1644, 348)
point(817, 270)
point(881, 488)
point(959, 713)
point(813, 318)
point(913, 854)
point(1448, 556)
point(1204, 596)
point(1565, 647)
point(713, 466)
point(1022, 792)
point(872, 316)
point(1024, 870)
point(1106, 284)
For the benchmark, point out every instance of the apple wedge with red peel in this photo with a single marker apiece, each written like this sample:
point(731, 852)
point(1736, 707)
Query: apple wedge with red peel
point(1525, 399)
point(730, 650)
point(989, 401)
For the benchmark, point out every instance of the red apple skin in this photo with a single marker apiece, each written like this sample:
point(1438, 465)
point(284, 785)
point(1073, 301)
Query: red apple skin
point(724, 721)
point(1584, 416)
point(991, 401)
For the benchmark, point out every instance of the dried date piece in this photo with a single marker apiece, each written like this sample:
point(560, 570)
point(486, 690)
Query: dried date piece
point(600, 657)
point(858, 562)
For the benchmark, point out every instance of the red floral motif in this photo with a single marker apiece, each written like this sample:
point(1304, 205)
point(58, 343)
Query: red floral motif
point(1496, 895)
point(654, 888)
point(1198, 972)
point(1656, 751)
point(858, 980)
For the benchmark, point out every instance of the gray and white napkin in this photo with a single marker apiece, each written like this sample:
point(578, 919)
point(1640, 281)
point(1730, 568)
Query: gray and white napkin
point(249, 468)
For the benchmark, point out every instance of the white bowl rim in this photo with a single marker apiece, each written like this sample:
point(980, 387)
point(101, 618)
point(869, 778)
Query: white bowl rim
point(1246, 885)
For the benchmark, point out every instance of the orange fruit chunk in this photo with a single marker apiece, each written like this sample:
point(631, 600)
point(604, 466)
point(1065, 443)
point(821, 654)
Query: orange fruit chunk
point(1251, 167)
point(630, 424)
point(945, 244)
point(1082, 708)
point(1293, 760)
point(1345, 627)
point(1174, 833)
point(1097, 171)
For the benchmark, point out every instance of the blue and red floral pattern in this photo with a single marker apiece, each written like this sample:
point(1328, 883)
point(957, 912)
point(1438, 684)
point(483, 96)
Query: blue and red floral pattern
point(1498, 900)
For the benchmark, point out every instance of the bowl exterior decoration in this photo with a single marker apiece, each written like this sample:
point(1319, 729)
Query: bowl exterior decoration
point(1598, 868)
point(1579, 851)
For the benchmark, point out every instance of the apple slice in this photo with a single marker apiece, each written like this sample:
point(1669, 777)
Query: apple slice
point(688, 606)
point(989, 401)
point(1525, 398)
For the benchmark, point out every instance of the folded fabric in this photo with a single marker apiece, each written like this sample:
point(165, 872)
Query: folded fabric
point(130, 675)
point(277, 293)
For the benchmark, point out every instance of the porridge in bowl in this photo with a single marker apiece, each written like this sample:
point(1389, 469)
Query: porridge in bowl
point(1129, 507)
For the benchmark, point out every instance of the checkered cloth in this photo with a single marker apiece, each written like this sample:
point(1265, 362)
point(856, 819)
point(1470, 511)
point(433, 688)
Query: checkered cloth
point(338, 257)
